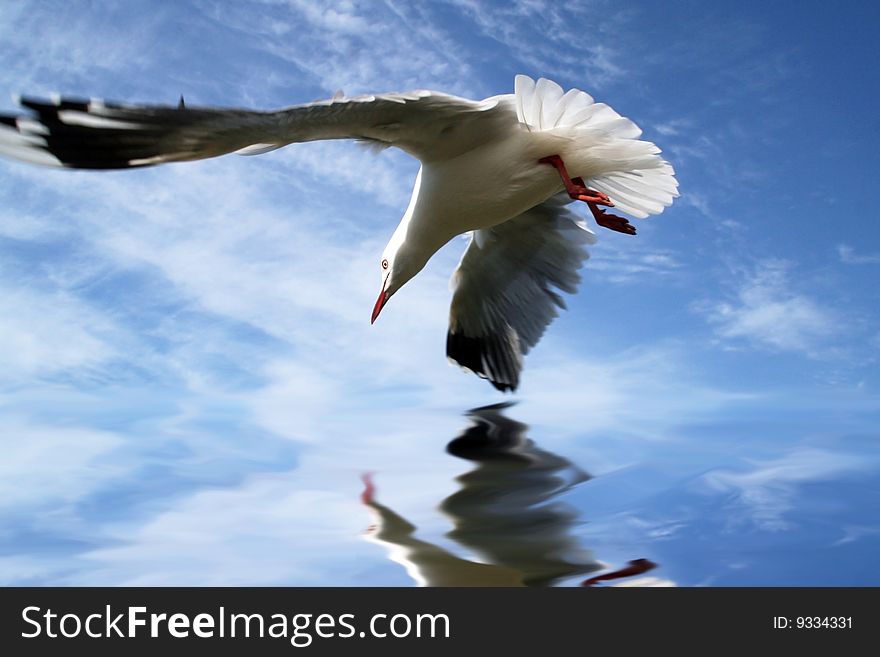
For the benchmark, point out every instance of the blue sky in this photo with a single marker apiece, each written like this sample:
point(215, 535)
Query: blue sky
point(190, 383)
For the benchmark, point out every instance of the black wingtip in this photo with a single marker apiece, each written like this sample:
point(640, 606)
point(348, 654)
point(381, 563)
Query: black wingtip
point(503, 387)
point(492, 436)
point(55, 105)
point(107, 140)
point(489, 357)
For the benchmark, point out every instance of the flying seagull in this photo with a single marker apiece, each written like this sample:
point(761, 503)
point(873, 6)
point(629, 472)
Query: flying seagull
point(502, 169)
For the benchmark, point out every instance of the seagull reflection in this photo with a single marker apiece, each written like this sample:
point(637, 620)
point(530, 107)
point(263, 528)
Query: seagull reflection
point(635, 567)
point(506, 514)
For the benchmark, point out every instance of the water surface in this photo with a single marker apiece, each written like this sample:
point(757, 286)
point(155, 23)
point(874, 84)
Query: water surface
point(678, 515)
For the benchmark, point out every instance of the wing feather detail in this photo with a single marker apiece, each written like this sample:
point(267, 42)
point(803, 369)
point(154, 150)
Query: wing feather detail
point(507, 289)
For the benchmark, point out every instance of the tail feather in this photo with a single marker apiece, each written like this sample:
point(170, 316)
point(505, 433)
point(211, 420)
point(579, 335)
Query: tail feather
point(523, 90)
point(636, 178)
point(638, 202)
point(548, 94)
point(575, 100)
point(663, 178)
point(569, 102)
point(544, 106)
point(640, 192)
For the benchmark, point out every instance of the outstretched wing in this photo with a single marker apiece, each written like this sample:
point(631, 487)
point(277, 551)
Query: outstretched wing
point(505, 288)
point(97, 135)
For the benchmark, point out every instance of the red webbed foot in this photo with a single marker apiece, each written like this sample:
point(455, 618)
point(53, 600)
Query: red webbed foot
point(578, 190)
point(611, 221)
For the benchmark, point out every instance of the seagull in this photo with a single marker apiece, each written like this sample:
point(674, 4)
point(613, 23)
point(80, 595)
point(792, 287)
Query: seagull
point(503, 170)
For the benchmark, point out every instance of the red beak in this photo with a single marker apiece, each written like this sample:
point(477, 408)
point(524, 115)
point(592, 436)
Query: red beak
point(380, 303)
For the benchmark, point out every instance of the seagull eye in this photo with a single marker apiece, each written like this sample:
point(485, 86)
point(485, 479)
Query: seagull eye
point(384, 264)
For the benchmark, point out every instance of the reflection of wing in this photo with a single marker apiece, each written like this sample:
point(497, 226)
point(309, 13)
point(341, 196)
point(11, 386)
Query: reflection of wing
point(507, 509)
point(426, 563)
point(97, 135)
point(504, 288)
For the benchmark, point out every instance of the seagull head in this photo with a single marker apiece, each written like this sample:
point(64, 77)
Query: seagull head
point(385, 291)
point(397, 266)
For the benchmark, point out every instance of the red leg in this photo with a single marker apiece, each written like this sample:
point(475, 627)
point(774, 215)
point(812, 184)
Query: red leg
point(369, 488)
point(575, 187)
point(611, 221)
point(578, 190)
point(636, 567)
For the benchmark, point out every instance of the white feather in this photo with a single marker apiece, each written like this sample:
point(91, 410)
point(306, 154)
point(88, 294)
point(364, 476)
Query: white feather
point(74, 117)
point(550, 94)
point(524, 89)
point(258, 149)
point(16, 146)
point(640, 192)
point(14, 138)
point(29, 127)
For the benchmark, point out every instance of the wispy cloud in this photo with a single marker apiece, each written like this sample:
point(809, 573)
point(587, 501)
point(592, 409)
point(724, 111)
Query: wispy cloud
point(293, 526)
point(48, 333)
point(768, 311)
point(675, 127)
point(563, 49)
point(767, 491)
point(328, 42)
point(848, 256)
point(852, 533)
point(250, 535)
point(41, 470)
point(75, 49)
point(618, 265)
point(644, 392)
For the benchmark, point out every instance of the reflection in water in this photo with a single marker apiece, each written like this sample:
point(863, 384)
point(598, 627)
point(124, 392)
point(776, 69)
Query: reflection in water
point(505, 513)
point(635, 567)
point(505, 510)
point(426, 563)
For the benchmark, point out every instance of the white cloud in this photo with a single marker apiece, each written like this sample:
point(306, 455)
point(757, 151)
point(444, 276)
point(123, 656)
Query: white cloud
point(640, 394)
point(849, 256)
point(342, 167)
point(768, 490)
point(769, 312)
point(51, 466)
point(561, 49)
point(26, 226)
point(328, 41)
point(618, 265)
point(302, 526)
point(20, 569)
point(674, 127)
point(853, 533)
point(45, 333)
point(71, 46)
point(267, 531)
